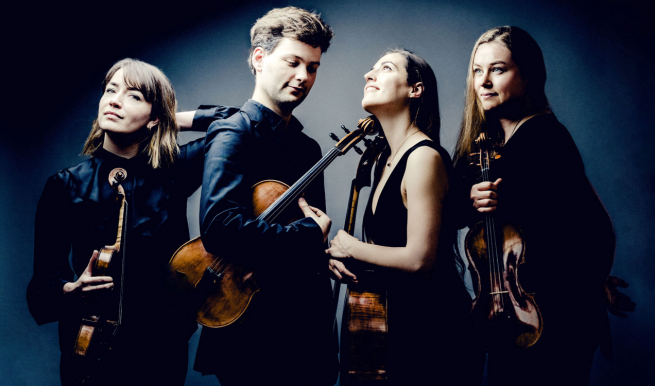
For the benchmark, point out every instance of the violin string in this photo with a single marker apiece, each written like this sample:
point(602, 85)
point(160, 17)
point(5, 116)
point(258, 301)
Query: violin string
point(219, 264)
point(500, 266)
point(315, 171)
point(486, 218)
point(215, 263)
point(271, 213)
point(274, 210)
point(497, 256)
point(291, 194)
point(500, 256)
point(492, 261)
point(491, 241)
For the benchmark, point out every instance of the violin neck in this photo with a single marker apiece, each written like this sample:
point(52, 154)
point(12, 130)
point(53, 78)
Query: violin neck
point(122, 217)
point(292, 194)
point(351, 214)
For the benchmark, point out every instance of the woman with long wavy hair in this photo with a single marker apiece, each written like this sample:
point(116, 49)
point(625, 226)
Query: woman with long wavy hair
point(538, 184)
point(408, 226)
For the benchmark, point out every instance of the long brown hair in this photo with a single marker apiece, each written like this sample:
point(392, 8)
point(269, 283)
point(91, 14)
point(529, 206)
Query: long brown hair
point(161, 142)
point(424, 111)
point(530, 61)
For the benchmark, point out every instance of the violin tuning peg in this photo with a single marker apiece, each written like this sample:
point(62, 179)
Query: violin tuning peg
point(334, 137)
point(367, 142)
point(345, 129)
point(358, 150)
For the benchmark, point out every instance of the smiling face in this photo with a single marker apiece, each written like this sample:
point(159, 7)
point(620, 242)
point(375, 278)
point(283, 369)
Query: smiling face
point(386, 85)
point(122, 109)
point(496, 78)
point(285, 75)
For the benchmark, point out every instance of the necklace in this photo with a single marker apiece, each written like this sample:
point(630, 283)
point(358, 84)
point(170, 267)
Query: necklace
point(399, 147)
point(515, 127)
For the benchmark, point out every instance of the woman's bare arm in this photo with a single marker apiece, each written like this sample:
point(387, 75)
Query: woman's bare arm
point(425, 183)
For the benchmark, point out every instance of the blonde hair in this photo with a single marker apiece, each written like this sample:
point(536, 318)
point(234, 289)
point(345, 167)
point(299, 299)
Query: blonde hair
point(530, 61)
point(289, 22)
point(161, 142)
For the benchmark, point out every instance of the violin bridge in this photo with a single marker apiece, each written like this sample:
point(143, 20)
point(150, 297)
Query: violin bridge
point(498, 292)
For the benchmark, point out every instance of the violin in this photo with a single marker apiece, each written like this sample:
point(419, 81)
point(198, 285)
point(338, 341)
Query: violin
point(99, 324)
point(364, 324)
point(495, 253)
point(222, 287)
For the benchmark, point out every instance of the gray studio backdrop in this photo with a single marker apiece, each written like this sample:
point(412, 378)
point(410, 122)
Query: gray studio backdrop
point(598, 85)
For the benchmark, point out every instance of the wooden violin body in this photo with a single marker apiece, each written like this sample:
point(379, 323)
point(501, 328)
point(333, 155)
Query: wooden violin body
point(513, 313)
point(224, 288)
point(228, 288)
point(97, 327)
point(495, 253)
point(365, 322)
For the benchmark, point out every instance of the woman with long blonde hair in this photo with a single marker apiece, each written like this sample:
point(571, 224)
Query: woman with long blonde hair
point(538, 184)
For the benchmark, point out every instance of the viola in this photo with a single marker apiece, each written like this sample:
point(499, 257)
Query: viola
point(100, 323)
point(364, 324)
point(495, 253)
point(224, 288)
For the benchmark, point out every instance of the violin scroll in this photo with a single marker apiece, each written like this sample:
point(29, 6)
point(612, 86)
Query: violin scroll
point(116, 176)
point(366, 126)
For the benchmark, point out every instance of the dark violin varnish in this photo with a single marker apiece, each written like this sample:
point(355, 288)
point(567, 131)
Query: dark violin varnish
point(495, 253)
point(365, 342)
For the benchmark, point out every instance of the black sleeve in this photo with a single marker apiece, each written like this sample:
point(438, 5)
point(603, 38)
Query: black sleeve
point(565, 223)
point(226, 222)
point(189, 166)
point(192, 155)
point(52, 244)
point(206, 114)
point(464, 213)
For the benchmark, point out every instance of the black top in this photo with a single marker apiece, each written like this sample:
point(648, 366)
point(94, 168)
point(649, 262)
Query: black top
point(426, 315)
point(569, 239)
point(78, 213)
point(286, 330)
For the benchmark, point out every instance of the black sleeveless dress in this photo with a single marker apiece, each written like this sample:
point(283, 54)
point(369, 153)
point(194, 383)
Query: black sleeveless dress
point(427, 316)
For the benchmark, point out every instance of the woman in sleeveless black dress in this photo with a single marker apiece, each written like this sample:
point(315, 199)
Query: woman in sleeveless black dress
point(407, 226)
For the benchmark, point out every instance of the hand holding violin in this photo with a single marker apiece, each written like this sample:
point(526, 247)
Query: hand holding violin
point(484, 196)
point(87, 283)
